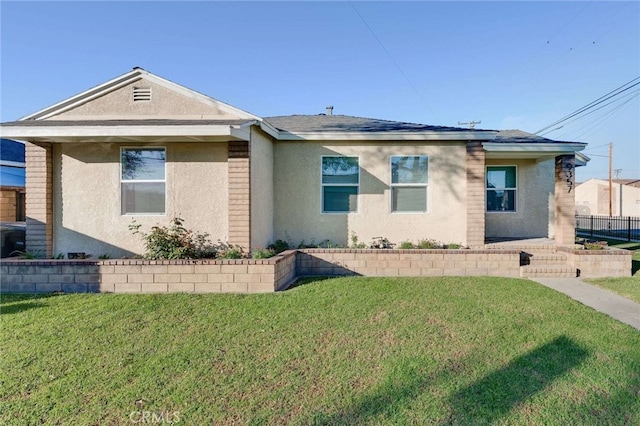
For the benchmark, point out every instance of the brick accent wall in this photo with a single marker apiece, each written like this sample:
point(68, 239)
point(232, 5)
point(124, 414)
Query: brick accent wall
point(239, 195)
point(39, 198)
point(565, 199)
point(475, 194)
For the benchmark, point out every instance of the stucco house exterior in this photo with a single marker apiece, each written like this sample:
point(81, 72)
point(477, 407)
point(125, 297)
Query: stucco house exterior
point(593, 197)
point(145, 148)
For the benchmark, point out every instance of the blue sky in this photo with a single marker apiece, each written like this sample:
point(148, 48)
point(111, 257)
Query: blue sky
point(508, 64)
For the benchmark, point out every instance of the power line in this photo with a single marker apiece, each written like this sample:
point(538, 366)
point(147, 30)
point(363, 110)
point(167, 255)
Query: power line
point(633, 95)
point(394, 61)
point(592, 104)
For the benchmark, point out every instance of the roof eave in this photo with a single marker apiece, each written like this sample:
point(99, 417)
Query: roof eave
point(96, 133)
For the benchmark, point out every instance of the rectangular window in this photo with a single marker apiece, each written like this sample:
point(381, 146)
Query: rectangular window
point(340, 184)
point(142, 180)
point(501, 188)
point(409, 179)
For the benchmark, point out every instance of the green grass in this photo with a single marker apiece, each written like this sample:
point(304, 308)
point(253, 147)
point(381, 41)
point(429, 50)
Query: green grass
point(340, 351)
point(628, 286)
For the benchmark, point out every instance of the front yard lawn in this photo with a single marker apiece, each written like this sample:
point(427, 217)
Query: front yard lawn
point(339, 351)
point(628, 287)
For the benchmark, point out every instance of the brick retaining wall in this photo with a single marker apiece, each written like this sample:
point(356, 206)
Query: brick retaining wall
point(278, 272)
point(610, 262)
point(385, 263)
point(148, 276)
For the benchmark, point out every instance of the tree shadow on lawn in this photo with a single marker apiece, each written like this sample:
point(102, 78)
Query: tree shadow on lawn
point(482, 402)
point(15, 303)
point(492, 397)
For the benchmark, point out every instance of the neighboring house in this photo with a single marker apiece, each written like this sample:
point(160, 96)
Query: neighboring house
point(141, 147)
point(12, 181)
point(592, 197)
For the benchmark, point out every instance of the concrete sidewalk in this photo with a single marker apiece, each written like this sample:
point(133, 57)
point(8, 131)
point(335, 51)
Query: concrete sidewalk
point(618, 307)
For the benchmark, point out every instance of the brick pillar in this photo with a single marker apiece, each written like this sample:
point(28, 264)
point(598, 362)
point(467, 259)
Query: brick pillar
point(565, 199)
point(239, 195)
point(39, 197)
point(475, 194)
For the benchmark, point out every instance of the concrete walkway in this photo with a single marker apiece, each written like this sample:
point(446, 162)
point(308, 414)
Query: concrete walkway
point(618, 307)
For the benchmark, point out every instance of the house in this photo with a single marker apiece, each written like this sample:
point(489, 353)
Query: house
point(142, 147)
point(594, 196)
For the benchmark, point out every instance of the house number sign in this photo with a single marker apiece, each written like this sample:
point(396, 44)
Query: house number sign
point(568, 174)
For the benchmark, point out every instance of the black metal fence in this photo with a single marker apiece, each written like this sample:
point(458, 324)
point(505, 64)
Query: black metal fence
point(625, 228)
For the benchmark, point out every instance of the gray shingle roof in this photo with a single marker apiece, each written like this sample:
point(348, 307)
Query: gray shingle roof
point(144, 122)
point(346, 123)
point(515, 136)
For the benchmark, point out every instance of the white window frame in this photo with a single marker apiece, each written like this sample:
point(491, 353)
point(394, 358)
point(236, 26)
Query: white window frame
point(408, 185)
point(164, 180)
point(323, 185)
point(515, 190)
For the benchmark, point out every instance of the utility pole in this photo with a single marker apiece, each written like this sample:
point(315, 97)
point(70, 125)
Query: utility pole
point(610, 180)
point(471, 123)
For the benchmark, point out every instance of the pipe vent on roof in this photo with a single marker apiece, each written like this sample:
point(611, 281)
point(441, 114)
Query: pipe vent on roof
point(141, 94)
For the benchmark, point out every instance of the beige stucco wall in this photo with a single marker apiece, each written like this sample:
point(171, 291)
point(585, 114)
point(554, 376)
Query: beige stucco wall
point(592, 197)
point(87, 216)
point(164, 104)
point(297, 193)
point(261, 154)
point(534, 216)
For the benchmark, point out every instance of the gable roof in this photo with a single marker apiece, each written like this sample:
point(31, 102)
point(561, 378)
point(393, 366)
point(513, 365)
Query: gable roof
point(132, 76)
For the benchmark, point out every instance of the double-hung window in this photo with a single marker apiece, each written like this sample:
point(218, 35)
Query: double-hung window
point(409, 180)
point(340, 184)
point(501, 188)
point(142, 180)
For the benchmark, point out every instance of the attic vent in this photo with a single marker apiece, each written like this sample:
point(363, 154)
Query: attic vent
point(141, 94)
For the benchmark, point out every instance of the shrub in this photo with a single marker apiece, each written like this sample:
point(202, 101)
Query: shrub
point(231, 253)
point(406, 245)
point(428, 244)
point(263, 253)
point(453, 246)
point(29, 254)
point(278, 246)
point(354, 242)
point(174, 242)
point(595, 246)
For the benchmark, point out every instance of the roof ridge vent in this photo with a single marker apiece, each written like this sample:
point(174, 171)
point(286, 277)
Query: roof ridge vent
point(141, 94)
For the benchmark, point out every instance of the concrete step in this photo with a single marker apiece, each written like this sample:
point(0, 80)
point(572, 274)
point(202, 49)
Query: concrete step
point(558, 271)
point(542, 258)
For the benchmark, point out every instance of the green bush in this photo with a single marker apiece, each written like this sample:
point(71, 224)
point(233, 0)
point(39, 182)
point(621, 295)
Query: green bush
point(174, 242)
point(406, 245)
point(278, 246)
point(595, 246)
point(231, 252)
point(452, 246)
point(262, 253)
point(429, 244)
point(354, 242)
